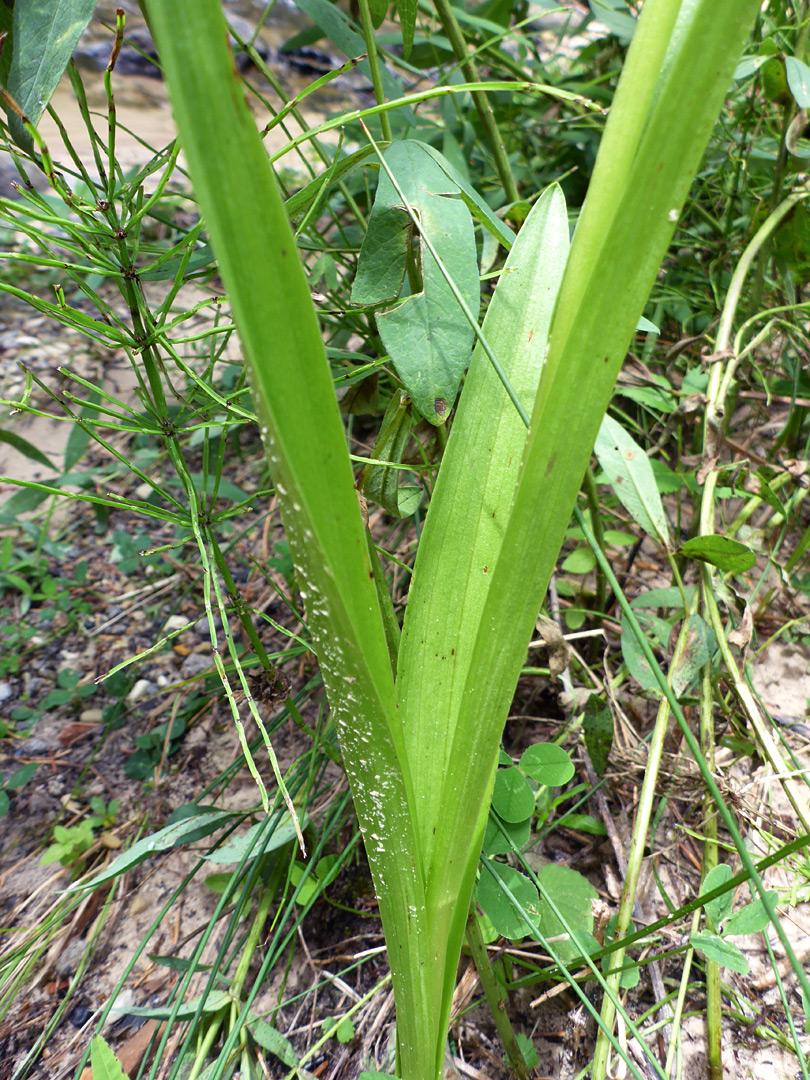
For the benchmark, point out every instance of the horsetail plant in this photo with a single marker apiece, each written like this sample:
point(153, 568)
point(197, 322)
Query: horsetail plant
point(419, 721)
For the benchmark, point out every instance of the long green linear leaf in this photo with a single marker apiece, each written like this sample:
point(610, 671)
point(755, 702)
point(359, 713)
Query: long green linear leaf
point(303, 435)
point(614, 259)
point(472, 500)
point(459, 547)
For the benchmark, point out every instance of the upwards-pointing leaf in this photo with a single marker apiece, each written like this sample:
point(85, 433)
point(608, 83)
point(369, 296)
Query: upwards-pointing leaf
point(632, 478)
point(798, 79)
point(427, 336)
point(104, 1063)
point(381, 482)
point(700, 645)
point(597, 730)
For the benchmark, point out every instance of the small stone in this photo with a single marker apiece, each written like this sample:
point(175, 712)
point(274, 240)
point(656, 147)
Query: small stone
point(91, 716)
point(32, 747)
point(143, 491)
point(141, 688)
point(175, 622)
point(6, 691)
point(79, 1016)
point(195, 664)
point(138, 905)
point(124, 1001)
point(201, 626)
point(71, 957)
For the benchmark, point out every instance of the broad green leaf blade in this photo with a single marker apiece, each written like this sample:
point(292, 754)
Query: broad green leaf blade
point(719, 909)
point(798, 79)
point(630, 473)
point(383, 256)
point(475, 203)
point(619, 22)
point(7, 28)
point(377, 8)
point(470, 503)
point(165, 838)
point(512, 798)
point(406, 9)
point(498, 907)
point(303, 434)
point(517, 835)
point(218, 999)
point(723, 952)
point(26, 448)
point(597, 731)
point(727, 555)
point(300, 201)
point(547, 764)
point(700, 646)
point(381, 482)
point(271, 1039)
point(45, 34)
point(573, 895)
point(236, 847)
point(21, 776)
point(104, 1063)
point(751, 918)
point(636, 661)
point(427, 335)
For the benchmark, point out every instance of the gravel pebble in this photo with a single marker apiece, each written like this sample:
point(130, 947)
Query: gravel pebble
point(195, 665)
point(141, 688)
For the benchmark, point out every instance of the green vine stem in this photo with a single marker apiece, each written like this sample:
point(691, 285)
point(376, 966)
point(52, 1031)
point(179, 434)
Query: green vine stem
point(492, 133)
point(374, 65)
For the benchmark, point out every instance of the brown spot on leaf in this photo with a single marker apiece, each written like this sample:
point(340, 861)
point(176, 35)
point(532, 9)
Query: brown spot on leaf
point(440, 405)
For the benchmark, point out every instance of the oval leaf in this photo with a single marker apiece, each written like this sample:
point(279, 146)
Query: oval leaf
point(105, 1064)
point(512, 798)
point(798, 79)
point(719, 950)
point(631, 476)
point(547, 763)
point(45, 34)
point(498, 907)
point(751, 918)
point(700, 646)
point(573, 896)
point(517, 835)
point(427, 335)
point(597, 730)
point(727, 555)
point(719, 909)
